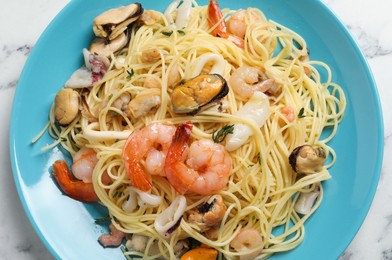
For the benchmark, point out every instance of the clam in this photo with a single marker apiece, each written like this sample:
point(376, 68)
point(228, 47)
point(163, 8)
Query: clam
point(189, 96)
point(113, 22)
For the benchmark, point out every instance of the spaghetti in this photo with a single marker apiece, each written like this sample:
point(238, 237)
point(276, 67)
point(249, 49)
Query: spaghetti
point(262, 188)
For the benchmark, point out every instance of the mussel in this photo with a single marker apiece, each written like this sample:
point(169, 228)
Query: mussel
point(190, 96)
point(308, 159)
point(113, 22)
point(110, 28)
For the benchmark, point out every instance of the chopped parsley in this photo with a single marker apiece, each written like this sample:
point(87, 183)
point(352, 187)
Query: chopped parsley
point(301, 113)
point(167, 33)
point(220, 136)
point(130, 74)
point(181, 32)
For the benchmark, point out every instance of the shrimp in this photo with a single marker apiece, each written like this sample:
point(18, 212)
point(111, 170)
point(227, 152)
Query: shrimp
point(205, 169)
point(237, 23)
point(83, 164)
point(72, 187)
point(215, 19)
point(113, 239)
point(140, 145)
point(246, 240)
point(246, 80)
point(288, 113)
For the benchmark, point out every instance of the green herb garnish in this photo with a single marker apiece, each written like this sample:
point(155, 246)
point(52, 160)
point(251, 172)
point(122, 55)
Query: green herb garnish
point(220, 136)
point(110, 96)
point(130, 74)
point(301, 113)
point(63, 139)
point(181, 32)
point(259, 158)
point(180, 3)
point(167, 33)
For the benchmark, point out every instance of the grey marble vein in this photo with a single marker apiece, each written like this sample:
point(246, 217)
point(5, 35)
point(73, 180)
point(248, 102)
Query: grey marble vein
point(370, 45)
point(12, 59)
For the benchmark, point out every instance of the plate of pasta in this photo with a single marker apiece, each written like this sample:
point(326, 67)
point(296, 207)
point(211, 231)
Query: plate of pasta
point(196, 130)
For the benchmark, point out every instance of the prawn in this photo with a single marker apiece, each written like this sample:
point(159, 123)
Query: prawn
point(237, 23)
point(246, 240)
point(151, 144)
point(215, 19)
point(246, 80)
point(71, 186)
point(203, 168)
point(113, 239)
point(288, 113)
point(83, 164)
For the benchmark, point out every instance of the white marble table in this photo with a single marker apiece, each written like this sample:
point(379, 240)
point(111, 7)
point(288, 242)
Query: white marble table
point(22, 21)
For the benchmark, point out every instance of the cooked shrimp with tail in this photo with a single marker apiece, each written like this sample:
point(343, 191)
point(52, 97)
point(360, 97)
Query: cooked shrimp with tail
point(145, 152)
point(203, 168)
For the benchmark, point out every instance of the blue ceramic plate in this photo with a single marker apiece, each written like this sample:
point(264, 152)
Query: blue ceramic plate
point(67, 227)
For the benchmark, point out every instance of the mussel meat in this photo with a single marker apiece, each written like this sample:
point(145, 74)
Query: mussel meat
point(308, 159)
point(190, 96)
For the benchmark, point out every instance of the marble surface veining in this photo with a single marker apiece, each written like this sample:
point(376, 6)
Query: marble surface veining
point(22, 21)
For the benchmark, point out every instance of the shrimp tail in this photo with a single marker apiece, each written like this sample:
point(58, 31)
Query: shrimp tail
point(139, 178)
point(72, 187)
point(173, 162)
point(136, 174)
point(215, 18)
point(216, 21)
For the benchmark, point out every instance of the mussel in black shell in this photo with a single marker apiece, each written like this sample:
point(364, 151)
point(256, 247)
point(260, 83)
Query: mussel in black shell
point(190, 96)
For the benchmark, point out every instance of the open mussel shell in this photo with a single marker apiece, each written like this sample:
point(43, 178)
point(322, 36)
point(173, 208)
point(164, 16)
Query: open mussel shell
point(190, 96)
point(115, 21)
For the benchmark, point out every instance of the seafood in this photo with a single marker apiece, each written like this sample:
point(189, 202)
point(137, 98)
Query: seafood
point(154, 137)
point(200, 253)
point(105, 48)
point(217, 68)
point(113, 239)
point(83, 164)
point(216, 21)
point(72, 187)
point(121, 103)
point(151, 55)
point(94, 69)
point(148, 17)
point(192, 95)
point(183, 12)
point(141, 198)
point(209, 215)
point(247, 80)
point(144, 103)
point(168, 220)
point(207, 168)
point(308, 159)
point(113, 22)
point(239, 21)
point(247, 239)
point(256, 109)
point(66, 106)
point(306, 200)
point(288, 113)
